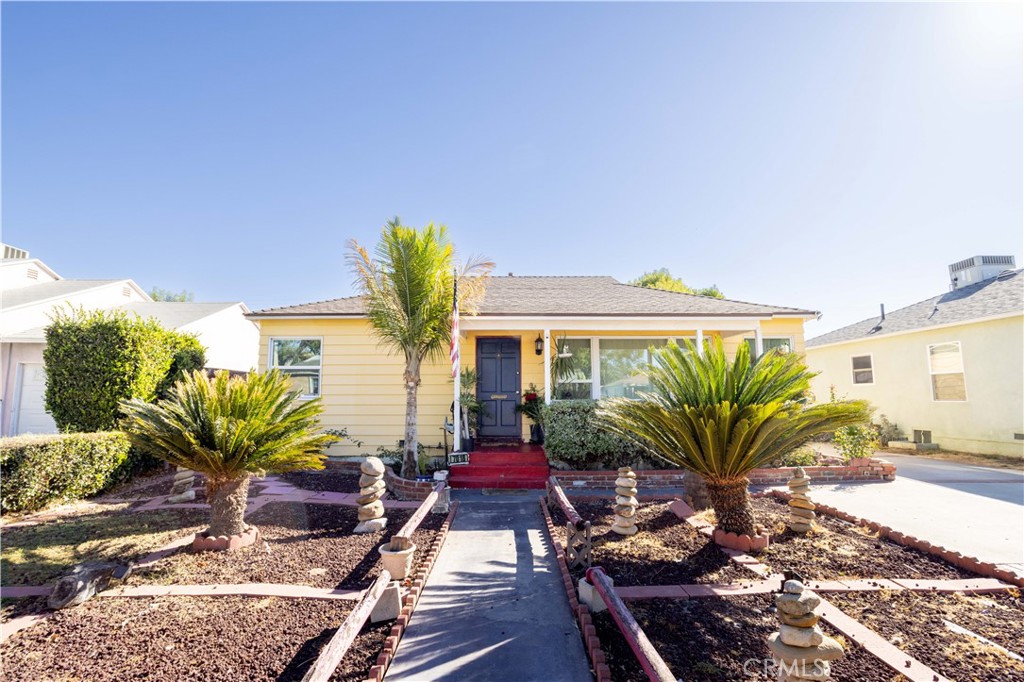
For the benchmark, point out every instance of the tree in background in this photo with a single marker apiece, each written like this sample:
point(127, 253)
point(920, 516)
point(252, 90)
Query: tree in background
point(96, 359)
point(183, 296)
point(663, 279)
point(408, 284)
point(228, 429)
point(721, 420)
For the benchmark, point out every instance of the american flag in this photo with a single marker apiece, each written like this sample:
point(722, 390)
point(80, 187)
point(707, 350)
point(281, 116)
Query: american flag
point(454, 354)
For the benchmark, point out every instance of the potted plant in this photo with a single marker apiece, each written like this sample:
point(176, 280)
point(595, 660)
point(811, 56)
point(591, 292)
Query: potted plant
point(472, 408)
point(531, 408)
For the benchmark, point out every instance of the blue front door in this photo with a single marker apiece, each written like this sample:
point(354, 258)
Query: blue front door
point(498, 386)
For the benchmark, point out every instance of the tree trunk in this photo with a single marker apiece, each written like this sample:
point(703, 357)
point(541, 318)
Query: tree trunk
point(696, 491)
point(412, 383)
point(227, 505)
point(731, 503)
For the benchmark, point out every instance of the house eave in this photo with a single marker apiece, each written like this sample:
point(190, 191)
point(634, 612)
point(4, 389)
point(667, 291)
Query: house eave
point(916, 330)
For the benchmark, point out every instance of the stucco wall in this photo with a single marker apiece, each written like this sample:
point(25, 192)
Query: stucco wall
point(992, 358)
point(231, 340)
point(361, 383)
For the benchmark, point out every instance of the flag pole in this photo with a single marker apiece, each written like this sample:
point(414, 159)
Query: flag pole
point(456, 367)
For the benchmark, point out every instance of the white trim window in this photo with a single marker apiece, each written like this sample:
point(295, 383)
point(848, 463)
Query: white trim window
point(946, 368)
point(863, 369)
point(783, 343)
point(301, 360)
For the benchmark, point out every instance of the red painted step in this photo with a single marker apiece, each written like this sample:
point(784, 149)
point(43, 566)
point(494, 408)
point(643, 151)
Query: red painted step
point(502, 467)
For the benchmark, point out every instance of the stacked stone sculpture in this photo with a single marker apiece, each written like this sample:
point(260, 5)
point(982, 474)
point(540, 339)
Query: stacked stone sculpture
point(801, 509)
point(181, 489)
point(801, 650)
point(371, 489)
point(625, 502)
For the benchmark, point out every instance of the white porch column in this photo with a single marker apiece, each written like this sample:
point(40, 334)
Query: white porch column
point(758, 341)
point(547, 366)
point(700, 342)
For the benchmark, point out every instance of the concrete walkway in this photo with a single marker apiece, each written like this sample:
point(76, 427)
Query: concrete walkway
point(494, 606)
point(978, 511)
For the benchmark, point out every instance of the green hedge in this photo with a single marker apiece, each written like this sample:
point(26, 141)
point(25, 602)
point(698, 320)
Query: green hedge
point(96, 359)
point(39, 470)
point(572, 436)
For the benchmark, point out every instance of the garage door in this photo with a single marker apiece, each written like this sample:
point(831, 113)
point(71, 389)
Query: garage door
point(32, 416)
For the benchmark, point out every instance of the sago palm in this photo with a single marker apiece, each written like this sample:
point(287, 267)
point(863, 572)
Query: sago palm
point(228, 428)
point(408, 285)
point(721, 419)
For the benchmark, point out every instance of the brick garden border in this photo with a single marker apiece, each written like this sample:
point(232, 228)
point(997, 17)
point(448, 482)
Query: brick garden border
point(969, 563)
point(597, 656)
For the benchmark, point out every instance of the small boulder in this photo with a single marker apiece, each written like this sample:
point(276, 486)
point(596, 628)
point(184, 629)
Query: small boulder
point(372, 466)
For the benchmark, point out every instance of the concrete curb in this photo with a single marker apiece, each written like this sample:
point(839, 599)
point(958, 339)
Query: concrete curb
point(588, 633)
point(409, 601)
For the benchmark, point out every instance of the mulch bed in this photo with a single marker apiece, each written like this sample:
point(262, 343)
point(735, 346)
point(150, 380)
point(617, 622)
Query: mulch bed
point(836, 549)
point(717, 640)
point(913, 621)
point(303, 544)
point(323, 481)
point(665, 551)
point(188, 638)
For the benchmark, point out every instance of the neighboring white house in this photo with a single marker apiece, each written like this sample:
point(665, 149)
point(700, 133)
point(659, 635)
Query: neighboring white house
point(948, 370)
point(30, 292)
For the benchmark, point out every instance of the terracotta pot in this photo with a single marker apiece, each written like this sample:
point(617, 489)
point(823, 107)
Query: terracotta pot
point(397, 563)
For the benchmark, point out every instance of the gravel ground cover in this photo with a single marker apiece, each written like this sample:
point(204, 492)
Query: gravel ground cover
point(836, 549)
point(187, 638)
point(39, 554)
point(303, 544)
point(665, 550)
point(323, 481)
point(718, 640)
point(914, 621)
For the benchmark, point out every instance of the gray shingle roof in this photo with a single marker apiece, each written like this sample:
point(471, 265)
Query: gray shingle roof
point(44, 291)
point(174, 315)
point(569, 297)
point(997, 296)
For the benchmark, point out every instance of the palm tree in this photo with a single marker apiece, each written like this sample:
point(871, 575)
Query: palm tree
point(721, 419)
point(228, 428)
point(408, 285)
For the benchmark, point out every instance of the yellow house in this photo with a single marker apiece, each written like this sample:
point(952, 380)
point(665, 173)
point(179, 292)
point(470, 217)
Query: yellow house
point(948, 370)
point(523, 325)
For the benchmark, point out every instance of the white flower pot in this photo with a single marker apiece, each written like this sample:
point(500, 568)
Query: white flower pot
point(397, 563)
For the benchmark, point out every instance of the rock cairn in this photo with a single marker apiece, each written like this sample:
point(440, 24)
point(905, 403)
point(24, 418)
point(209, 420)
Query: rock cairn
point(371, 489)
point(800, 648)
point(625, 502)
point(801, 509)
point(181, 489)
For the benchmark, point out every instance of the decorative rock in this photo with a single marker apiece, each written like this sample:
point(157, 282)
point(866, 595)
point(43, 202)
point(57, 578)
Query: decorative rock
point(804, 513)
point(802, 637)
point(374, 510)
point(367, 479)
point(806, 621)
point(799, 479)
point(375, 487)
point(808, 671)
point(624, 500)
point(800, 527)
point(797, 604)
point(793, 587)
point(625, 510)
point(187, 496)
point(625, 530)
point(625, 503)
point(626, 472)
point(801, 503)
point(184, 479)
point(626, 492)
point(828, 650)
point(625, 482)
point(372, 466)
point(801, 509)
point(371, 526)
point(367, 499)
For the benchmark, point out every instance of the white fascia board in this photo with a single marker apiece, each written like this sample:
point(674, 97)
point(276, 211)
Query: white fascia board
point(917, 330)
point(510, 323)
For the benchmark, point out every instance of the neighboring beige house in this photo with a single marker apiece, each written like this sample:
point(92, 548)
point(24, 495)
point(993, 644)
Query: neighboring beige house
point(31, 292)
point(524, 324)
point(947, 370)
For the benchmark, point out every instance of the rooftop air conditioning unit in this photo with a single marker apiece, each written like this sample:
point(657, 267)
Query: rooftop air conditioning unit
point(978, 269)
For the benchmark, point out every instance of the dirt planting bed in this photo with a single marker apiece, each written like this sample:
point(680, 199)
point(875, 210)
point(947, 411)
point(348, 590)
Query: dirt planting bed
point(323, 481)
point(717, 640)
point(915, 622)
point(42, 553)
point(303, 544)
point(665, 550)
point(836, 549)
point(187, 638)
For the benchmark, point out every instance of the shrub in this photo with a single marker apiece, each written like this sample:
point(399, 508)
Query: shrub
point(853, 442)
point(887, 431)
point(39, 470)
point(572, 435)
point(96, 359)
point(801, 457)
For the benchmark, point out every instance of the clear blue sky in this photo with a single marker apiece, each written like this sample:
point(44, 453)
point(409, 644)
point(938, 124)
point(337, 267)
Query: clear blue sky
point(823, 156)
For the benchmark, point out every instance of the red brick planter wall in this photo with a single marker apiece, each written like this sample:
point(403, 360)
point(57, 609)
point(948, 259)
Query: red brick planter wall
point(401, 488)
point(856, 470)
